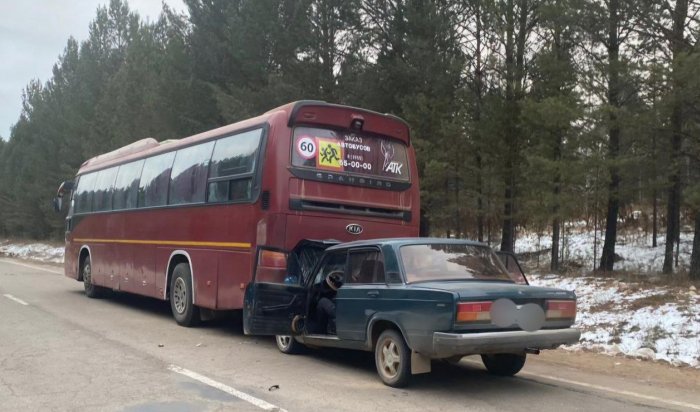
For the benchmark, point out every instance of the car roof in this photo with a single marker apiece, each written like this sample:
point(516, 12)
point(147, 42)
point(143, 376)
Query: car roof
point(403, 241)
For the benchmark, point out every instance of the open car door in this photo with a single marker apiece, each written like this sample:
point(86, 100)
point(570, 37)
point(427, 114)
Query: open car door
point(279, 290)
point(513, 266)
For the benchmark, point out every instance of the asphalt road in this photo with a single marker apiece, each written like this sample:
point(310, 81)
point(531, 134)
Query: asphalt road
point(62, 351)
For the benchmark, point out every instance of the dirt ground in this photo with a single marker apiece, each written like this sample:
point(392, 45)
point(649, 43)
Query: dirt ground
point(642, 371)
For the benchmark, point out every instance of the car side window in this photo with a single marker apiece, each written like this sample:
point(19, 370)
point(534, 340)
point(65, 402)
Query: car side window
point(334, 262)
point(366, 266)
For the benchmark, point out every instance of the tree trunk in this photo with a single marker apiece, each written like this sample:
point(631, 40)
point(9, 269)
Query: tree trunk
point(514, 60)
point(654, 222)
point(424, 225)
point(607, 258)
point(673, 209)
point(655, 196)
point(695, 257)
point(478, 73)
point(507, 233)
point(479, 201)
point(678, 47)
point(554, 266)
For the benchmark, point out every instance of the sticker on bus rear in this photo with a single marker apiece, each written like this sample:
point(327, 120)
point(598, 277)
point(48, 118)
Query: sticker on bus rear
point(330, 154)
point(306, 147)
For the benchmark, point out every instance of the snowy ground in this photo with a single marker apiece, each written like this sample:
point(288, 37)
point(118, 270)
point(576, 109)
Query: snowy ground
point(623, 316)
point(617, 317)
point(33, 251)
point(649, 322)
point(634, 249)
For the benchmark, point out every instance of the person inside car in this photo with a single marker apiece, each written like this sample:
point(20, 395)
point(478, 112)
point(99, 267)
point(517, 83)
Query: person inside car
point(325, 304)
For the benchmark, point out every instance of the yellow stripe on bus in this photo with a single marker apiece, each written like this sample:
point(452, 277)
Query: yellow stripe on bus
point(166, 242)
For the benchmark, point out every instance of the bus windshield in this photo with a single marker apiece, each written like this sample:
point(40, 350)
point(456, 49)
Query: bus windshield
point(349, 152)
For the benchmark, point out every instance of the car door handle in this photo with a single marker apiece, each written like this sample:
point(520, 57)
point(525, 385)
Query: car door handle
point(373, 293)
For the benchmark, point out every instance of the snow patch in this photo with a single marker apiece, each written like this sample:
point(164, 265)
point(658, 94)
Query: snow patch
point(33, 251)
point(619, 318)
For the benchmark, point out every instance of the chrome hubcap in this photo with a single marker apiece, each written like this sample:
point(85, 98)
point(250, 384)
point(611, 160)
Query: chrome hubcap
point(284, 341)
point(180, 295)
point(389, 358)
point(87, 275)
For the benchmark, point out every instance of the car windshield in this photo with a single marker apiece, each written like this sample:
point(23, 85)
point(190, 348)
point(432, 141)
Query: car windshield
point(449, 261)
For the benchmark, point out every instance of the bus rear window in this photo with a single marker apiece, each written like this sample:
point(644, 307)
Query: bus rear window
point(350, 152)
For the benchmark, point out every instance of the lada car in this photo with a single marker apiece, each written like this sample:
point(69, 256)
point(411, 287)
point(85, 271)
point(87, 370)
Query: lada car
point(411, 301)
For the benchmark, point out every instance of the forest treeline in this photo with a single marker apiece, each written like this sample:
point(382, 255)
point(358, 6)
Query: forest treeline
point(525, 114)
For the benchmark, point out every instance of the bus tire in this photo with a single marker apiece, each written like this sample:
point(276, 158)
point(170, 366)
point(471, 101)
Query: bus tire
point(91, 290)
point(181, 291)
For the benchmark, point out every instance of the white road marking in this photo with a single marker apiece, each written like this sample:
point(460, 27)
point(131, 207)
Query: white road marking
point(605, 389)
point(31, 266)
point(20, 301)
point(225, 388)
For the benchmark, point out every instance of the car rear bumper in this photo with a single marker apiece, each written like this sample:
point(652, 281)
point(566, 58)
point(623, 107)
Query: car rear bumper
point(451, 344)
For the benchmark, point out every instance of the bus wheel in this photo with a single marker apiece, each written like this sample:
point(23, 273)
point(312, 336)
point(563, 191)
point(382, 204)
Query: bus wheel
point(184, 311)
point(91, 290)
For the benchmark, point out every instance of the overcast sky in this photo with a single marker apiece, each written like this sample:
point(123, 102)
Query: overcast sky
point(33, 34)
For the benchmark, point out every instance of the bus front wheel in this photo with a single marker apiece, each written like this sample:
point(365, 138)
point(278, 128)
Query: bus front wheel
point(91, 290)
point(181, 293)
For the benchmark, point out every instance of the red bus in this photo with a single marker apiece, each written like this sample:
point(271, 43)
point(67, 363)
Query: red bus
point(194, 220)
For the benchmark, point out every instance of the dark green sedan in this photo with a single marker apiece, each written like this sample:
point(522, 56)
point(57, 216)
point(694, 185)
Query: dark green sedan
point(410, 301)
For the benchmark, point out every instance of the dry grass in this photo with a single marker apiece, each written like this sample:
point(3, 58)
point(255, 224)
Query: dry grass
point(653, 301)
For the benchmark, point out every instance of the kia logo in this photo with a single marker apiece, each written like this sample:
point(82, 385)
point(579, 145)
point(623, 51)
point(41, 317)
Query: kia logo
point(353, 229)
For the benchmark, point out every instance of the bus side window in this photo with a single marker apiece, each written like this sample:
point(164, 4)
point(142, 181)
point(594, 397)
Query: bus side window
point(104, 188)
point(126, 186)
point(189, 174)
point(155, 179)
point(232, 167)
point(84, 193)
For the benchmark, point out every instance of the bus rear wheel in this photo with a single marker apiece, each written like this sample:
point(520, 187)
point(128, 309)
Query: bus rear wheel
point(91, 290)
point(181, 296)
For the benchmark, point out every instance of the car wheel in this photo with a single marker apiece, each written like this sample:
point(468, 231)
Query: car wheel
point(288, 345)
point(503, 364)
point(181, 292)
point(91, 290)
point(393, 359)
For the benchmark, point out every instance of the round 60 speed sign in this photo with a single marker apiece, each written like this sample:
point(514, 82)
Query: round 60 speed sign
point(306, 147)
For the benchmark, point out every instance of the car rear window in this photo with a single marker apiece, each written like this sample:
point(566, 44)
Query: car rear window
point(438, 261)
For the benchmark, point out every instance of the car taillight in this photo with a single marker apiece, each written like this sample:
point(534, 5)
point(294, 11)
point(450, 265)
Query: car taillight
point(561, 309)
point(474, 311)
point(272, 266)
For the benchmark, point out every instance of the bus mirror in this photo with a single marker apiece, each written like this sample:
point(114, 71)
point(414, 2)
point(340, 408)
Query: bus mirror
point(57, 203)
point(64, 188)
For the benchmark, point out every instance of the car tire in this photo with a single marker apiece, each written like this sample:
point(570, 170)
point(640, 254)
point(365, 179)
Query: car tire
point(453, 360)
point(503, 364)
point(288, 345)
point(91, 290)
point(392, 357)
point(181, 292)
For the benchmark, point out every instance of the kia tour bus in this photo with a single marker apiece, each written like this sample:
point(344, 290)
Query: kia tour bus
point(195, 220)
